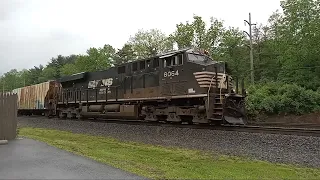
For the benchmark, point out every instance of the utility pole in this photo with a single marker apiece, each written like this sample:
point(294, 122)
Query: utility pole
point(251, 47)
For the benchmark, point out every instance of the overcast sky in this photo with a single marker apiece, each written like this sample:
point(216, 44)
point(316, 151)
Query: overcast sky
point(33, 31)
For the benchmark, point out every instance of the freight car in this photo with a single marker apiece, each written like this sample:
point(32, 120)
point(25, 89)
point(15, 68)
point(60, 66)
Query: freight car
point(185, 85)
point(38, 99)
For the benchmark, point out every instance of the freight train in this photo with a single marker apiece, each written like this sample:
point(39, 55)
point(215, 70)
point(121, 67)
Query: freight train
point(179, 86)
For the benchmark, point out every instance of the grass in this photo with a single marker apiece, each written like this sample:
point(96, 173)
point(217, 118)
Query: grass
point(166, 162)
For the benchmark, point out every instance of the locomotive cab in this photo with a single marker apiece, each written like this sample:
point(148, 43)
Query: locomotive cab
point(222, 103)
point(193, 76)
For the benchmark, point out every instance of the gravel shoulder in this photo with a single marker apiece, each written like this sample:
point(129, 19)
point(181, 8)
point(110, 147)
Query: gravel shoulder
point(289, 149)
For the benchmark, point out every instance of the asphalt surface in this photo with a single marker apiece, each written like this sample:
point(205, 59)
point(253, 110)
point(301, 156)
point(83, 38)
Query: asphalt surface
point(30, 159)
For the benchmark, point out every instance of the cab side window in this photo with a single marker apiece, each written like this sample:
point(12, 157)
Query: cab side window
point(173, 60)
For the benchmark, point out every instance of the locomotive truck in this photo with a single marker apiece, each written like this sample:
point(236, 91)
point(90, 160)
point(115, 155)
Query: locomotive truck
point(185, 85)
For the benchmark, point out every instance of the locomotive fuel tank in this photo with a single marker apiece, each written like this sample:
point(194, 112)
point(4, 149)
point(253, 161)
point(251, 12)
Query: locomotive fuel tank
point(95, 108)
point(102, 108)
point(111, 111)
point(112, 107)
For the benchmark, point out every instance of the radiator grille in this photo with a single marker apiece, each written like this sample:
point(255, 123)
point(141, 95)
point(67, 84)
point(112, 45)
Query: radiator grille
point(166, 89)
point(179, 88)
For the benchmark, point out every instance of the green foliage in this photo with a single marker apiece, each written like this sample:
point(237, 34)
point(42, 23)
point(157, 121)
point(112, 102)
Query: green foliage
point(58, 62)
point(297, 36)
point(233, 50)
point(183, 36)
point(125, 54)
point(150, 43)
point(48, 73)
point(196, 34)
point(276, 98)
point(69, 69)
point(96, 59)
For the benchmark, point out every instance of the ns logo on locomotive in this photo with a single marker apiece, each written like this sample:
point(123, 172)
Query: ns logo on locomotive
point(185, 85)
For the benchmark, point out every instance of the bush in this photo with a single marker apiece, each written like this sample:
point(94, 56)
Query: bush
point(275, 98)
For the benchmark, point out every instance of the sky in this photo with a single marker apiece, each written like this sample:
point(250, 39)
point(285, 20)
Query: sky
point(34, 31)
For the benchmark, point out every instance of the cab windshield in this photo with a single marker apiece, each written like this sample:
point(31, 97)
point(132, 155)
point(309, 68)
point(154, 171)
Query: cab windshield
point(200, 59)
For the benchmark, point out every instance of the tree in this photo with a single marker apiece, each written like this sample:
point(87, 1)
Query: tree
point(48, 73)
point(150, 43)
point(24, 74)
point(57, 63)
point(69, 69)
point(106, 56)
point(296, 32)
point(183, 35)
point(265, 54)
point(233, 50)
point(96, 59)
point(34, 75)
point(195, 34)
point(125, 54)
point(10, 80)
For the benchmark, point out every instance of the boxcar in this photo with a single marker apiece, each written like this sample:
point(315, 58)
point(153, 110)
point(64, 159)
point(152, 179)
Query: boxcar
point(37, 99)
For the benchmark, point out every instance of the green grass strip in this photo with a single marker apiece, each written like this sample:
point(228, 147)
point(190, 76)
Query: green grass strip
point(166, 162)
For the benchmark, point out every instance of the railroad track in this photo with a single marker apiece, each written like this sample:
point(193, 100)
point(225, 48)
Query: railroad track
point(282, 124)
point(258, 129)
point(310, 131)
point(271, 129)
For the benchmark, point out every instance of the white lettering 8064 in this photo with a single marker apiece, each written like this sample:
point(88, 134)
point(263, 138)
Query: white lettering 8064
point(171, 73)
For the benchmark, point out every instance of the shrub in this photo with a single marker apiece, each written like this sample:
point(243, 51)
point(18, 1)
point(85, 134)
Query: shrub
point(275, 98)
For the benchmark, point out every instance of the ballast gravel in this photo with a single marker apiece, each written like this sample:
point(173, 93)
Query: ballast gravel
point(288, 149)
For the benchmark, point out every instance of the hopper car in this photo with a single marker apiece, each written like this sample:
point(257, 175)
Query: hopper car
point(179, 86)
point(35, 99)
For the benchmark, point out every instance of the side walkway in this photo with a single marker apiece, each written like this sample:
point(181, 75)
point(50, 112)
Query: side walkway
point(30, 159)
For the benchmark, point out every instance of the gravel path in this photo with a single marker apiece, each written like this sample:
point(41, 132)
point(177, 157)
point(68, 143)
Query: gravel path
point(290, 149)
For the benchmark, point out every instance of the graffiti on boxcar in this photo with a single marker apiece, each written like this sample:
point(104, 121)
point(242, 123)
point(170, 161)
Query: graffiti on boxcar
point(39, 104)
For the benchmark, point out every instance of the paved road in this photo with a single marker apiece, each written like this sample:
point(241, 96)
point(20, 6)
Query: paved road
point(30, 159)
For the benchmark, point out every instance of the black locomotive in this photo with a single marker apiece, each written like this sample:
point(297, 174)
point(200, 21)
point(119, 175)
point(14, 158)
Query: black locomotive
point(178, 86)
